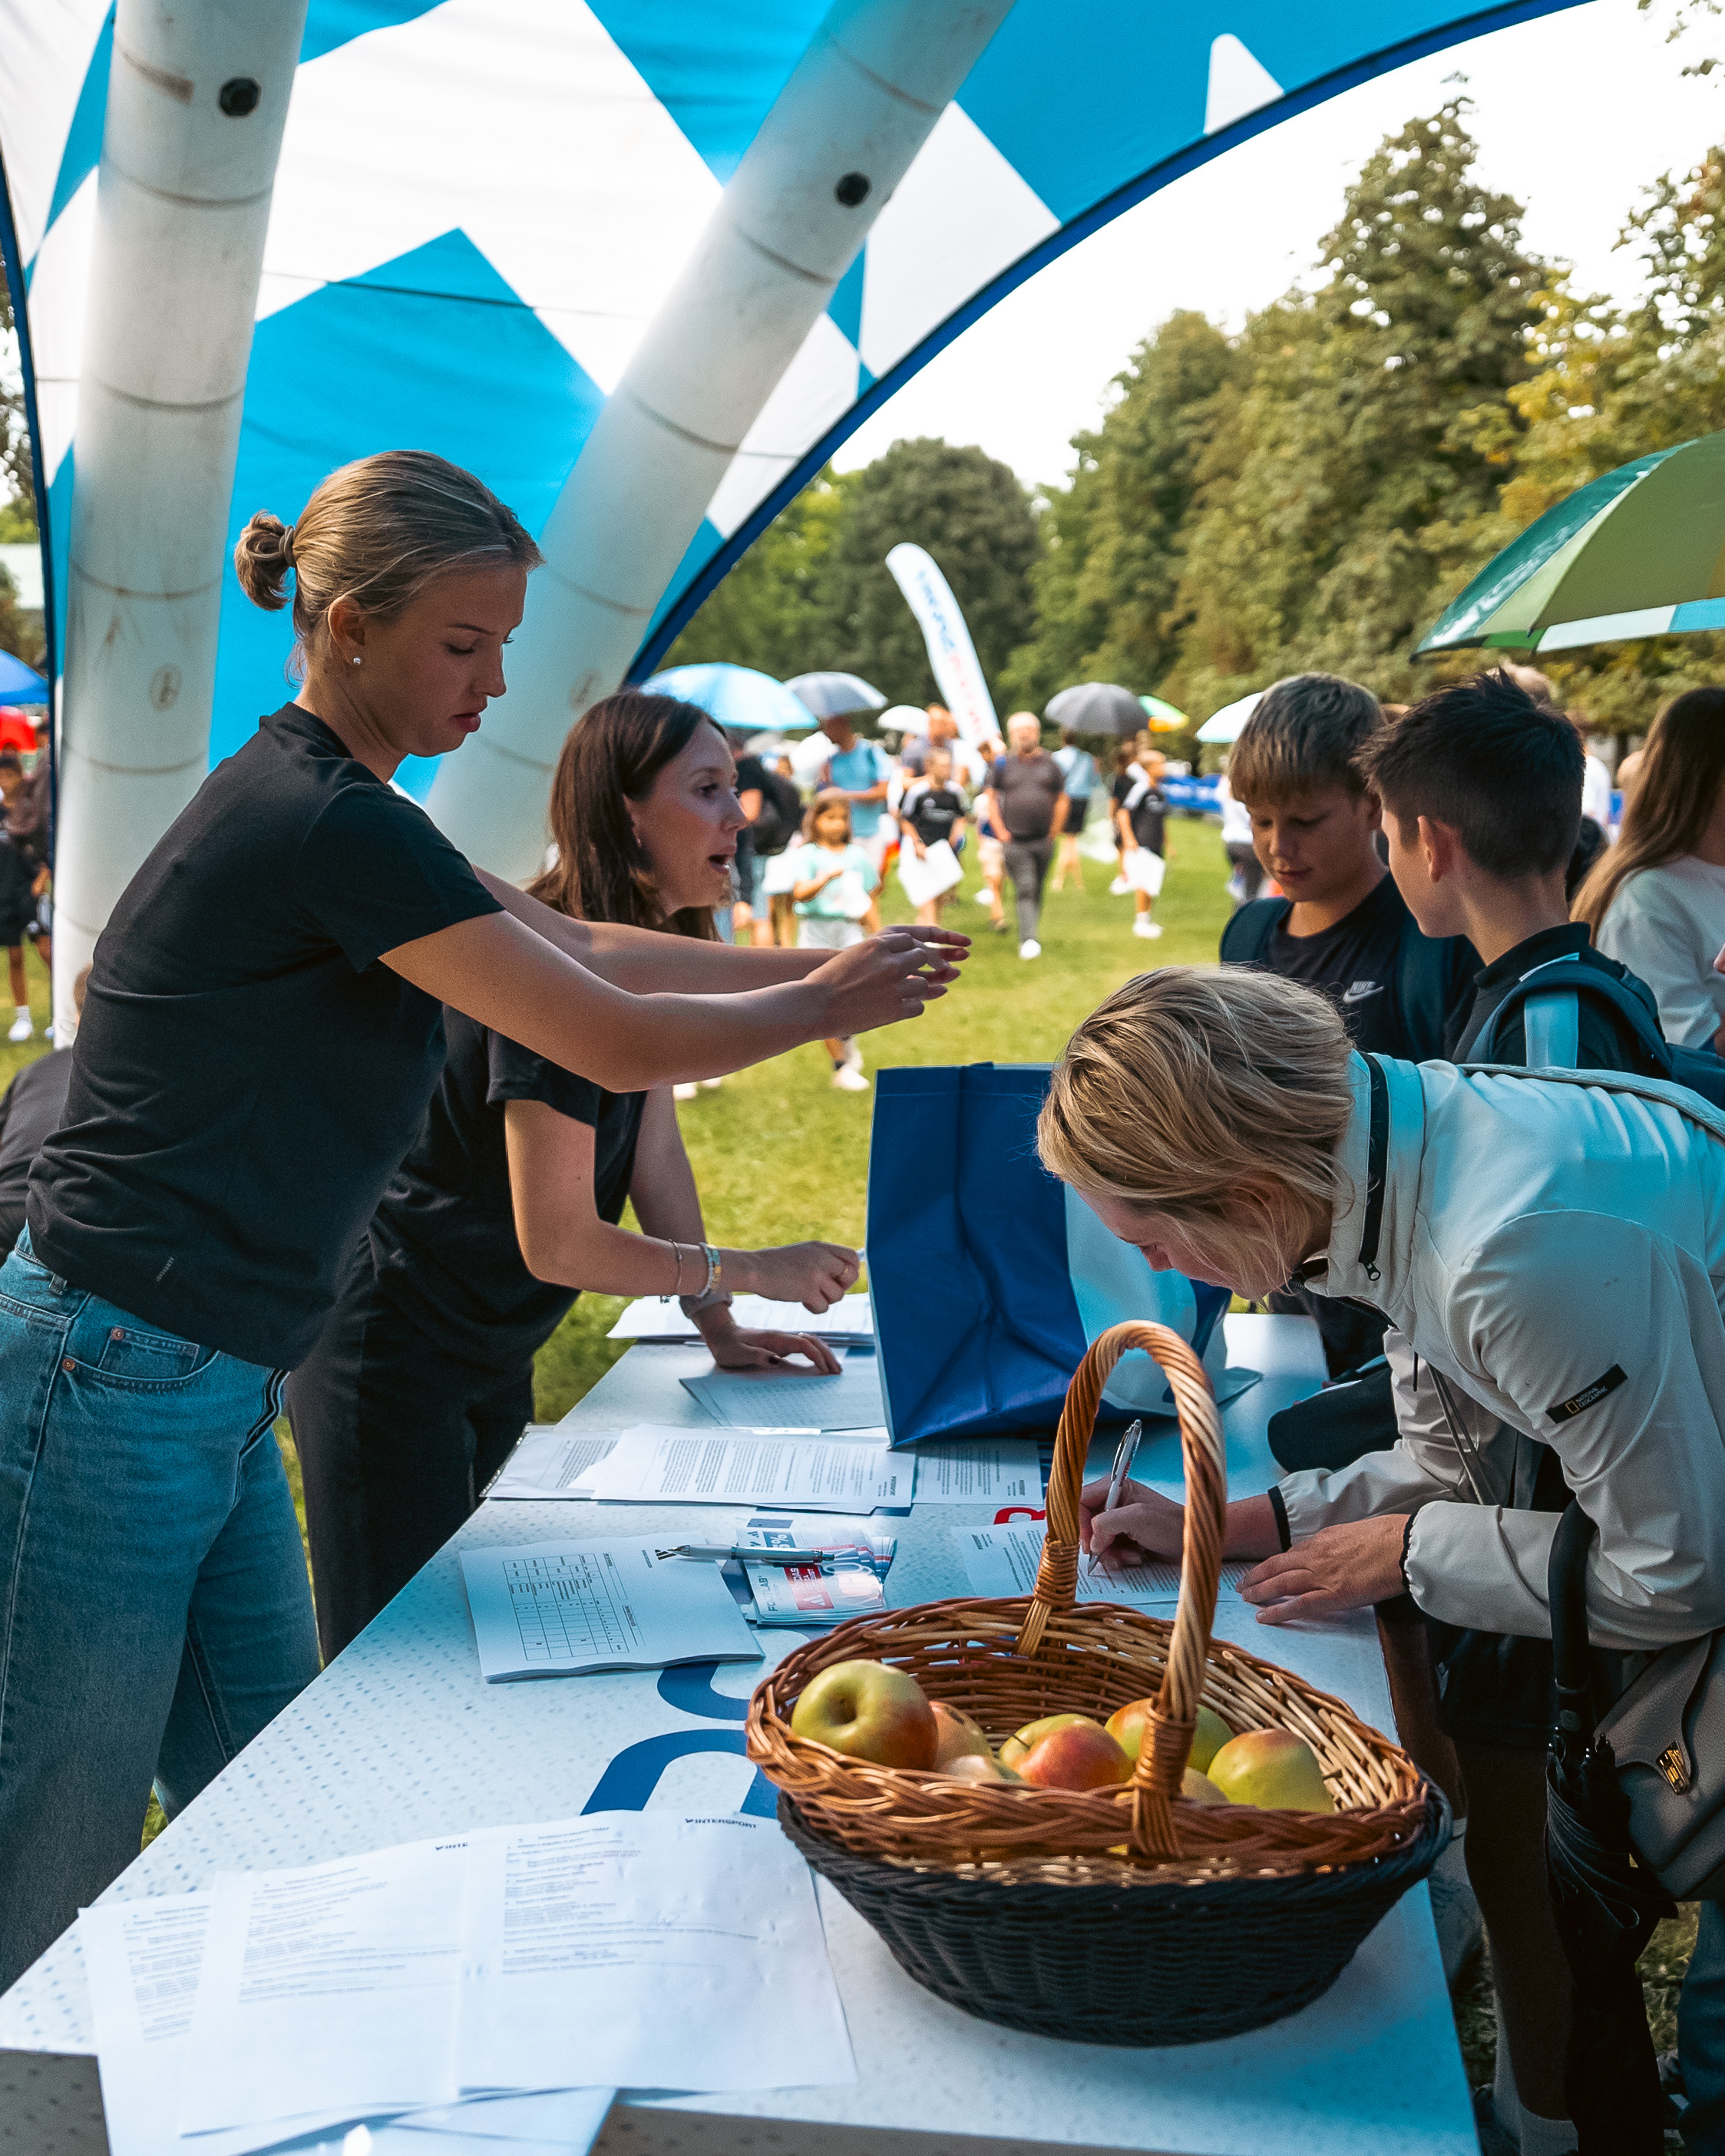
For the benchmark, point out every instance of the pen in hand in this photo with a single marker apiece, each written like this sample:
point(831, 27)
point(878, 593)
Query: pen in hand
point(1125, 1453)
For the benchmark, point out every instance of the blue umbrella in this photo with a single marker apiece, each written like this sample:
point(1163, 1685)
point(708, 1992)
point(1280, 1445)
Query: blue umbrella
point(21, 684)
point(739, 698)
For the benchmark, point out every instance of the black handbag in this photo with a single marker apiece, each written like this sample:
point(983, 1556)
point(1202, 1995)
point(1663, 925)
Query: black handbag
point(1338, 1425)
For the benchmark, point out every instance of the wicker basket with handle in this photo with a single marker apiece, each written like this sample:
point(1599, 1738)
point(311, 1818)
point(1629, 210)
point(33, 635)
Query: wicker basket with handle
point(1083, 1913)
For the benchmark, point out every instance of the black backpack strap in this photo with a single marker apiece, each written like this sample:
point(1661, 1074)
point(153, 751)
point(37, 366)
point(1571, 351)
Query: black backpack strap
point(1566, 1590)
point(1426, 988)
point(1623, 999)
point(1377, 1168)
point(1246, 937)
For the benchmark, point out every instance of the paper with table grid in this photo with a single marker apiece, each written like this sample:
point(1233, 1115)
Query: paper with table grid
point(551, 1609)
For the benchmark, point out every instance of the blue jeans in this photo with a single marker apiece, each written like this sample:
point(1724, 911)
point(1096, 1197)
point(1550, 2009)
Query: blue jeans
point(1701, 2036)
point(155, 1612)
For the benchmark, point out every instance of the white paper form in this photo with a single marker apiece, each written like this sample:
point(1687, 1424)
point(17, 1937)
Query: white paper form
point(333, 1988)
point(565, 2120)
point(808, 1470)
point(1004, 1561)
point(789, 1394)
point(980, 1471)
point(551, 1461)
point(551, 1609)
point(648, 1951)
point(851, 1317)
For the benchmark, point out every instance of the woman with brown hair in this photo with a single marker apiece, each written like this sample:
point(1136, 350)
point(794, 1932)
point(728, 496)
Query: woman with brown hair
point(1655, 900)
point(508, 1204)
point(263, 1033)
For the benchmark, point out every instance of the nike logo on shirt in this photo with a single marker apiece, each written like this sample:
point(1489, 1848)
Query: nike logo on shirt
point(1356, 992)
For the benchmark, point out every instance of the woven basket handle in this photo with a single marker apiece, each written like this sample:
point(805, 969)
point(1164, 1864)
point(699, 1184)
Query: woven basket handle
point(1167, 1741)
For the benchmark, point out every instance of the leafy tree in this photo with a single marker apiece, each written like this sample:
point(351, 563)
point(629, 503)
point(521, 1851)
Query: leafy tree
point(1352, 487)
point(1114, 537)
point(767, 612)
point(15, 461)
point(971, 513)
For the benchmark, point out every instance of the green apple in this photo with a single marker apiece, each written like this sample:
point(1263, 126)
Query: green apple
point(1273, 1769)
point(959, 1737)
point(1011, 1753)
point(1199, 1789)
point(1080, 1756)
point(868, 1711)
point(1127, 1726)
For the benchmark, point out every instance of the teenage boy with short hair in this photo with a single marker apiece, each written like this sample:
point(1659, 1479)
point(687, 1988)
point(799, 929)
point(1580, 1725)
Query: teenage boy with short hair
point(1481, 784)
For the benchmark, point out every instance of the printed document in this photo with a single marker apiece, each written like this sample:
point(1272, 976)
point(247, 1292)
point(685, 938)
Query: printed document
point(552, 1460)
point(851, 1317)
point(333, 1989)
point(789, 1394)
point(659, 1464)
point(1002, 1561)
point(980, 1471)
point(851, 1582)
point(551, 1609)
point(643, 1950)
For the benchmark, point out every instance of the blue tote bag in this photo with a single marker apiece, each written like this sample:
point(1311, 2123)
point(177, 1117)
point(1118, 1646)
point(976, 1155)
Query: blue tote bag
point(989, 1278)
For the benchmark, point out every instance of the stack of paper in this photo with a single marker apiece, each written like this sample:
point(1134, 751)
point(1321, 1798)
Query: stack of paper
point(655, 1318)
point(552, 1460)
point(788, 1393)
point(659, 1463)
point(561, 1609)
point(979, 1470)
point(505, 1983)
point(1004, 1561)
point(850, 1583)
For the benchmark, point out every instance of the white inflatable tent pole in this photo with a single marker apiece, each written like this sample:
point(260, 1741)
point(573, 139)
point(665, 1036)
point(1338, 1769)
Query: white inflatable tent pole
point(859, 105)
point(198, 98)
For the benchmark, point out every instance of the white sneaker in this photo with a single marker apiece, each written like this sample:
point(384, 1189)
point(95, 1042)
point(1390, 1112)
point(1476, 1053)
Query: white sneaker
point(849, 1079)
point(853, 1056)
point(711, 1085)
point(982, 897)
point(685, 1092)
point(1144, 926)
point(21, 1028)
point(1029, 949)
point(1119, 887)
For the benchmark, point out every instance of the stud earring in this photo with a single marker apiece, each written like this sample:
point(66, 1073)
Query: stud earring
point(356, 658)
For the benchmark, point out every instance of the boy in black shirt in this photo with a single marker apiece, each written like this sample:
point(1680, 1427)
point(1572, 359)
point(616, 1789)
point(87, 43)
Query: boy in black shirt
point(934, 809)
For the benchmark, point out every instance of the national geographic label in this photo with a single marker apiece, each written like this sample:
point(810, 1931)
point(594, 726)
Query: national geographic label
point(1589, 1396)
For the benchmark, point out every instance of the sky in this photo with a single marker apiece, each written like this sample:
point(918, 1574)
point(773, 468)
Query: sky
point(1574, 114)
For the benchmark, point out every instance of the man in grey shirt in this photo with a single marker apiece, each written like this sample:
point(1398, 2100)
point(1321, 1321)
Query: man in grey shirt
point(1027, 799)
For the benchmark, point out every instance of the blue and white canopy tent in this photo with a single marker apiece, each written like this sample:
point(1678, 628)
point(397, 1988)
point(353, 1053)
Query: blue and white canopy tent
point(641, 264)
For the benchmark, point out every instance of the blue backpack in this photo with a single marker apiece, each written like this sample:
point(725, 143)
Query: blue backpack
point(1548, 1002)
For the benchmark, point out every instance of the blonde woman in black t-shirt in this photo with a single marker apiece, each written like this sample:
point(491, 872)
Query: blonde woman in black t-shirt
point(507, 1205)
point(262, 1034)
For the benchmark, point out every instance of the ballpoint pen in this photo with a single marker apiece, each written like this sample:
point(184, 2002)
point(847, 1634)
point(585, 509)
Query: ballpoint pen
point(1125, 1453)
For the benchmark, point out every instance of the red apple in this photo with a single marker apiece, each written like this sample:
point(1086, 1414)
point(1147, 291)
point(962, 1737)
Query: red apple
point(1012, 1752)
point(1083, 1756)
point(868, 1711)
point(1127, 1726)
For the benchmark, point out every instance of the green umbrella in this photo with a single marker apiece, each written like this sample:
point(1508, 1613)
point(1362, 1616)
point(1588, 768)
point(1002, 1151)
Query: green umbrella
point(1638, 551)
point(1164, 718)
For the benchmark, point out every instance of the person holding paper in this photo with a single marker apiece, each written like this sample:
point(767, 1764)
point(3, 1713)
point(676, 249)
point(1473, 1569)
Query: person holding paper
point(1141, 818)
point(507, 1205)
point(262, 1033)
point(932, 814)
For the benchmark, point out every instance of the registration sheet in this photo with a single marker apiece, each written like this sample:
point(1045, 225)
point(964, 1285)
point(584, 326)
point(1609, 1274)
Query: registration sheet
point(553, 1461)
point(805, 1470)
point(979, 1470)
point(789, 1392)
point(650, 1318)
point(646, 1950)
point(1004, 1561)
point(551, 1609)
point(333, 1988)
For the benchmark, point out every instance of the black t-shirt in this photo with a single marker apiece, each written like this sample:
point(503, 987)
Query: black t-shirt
point(1604, 1041)
point(443, 1237)
point(931, 811)
point(781, 805)
point(30, 1111)
point(1148, 813)
point(1354, 965)
point(247, 1076)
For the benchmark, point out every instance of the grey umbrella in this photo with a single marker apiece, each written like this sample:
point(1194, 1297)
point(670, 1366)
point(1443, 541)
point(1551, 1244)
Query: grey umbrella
point(836, 695)
point(1097, 707)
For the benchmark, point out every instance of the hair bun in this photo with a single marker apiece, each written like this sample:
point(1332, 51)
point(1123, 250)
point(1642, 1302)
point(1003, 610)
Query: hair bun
point(262, 559)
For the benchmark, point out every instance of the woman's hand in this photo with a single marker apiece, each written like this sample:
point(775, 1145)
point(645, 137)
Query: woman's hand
point(734, 1349)
point(1340, 1567)
point(813, 1274)
point(1143, 1525)
point(886, 977)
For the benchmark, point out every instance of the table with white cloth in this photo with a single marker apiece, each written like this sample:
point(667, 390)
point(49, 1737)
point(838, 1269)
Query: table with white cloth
point(401, 1738)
